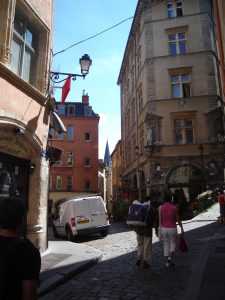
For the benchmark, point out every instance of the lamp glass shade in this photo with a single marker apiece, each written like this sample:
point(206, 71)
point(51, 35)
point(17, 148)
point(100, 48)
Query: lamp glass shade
point(85, 63)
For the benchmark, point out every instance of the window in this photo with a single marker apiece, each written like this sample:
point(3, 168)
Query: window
point(50, 182)
point(61, 110)
point(60, 136)
point(140, 100)
point(71, 110)
point(69, 158)
point(139, 60)
point(70, 132)
point(175, 9)
point(183, 131)
point(24, 49)
point(88, 110)
point(177, 43)
point(87, 186)
point(69, 183)
point(87, 136)
point(58, 162)
point(180, 86)
point(87, 162)
point(58, 182)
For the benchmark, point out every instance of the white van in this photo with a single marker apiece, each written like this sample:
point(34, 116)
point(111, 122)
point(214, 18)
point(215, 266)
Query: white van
point(81, 216)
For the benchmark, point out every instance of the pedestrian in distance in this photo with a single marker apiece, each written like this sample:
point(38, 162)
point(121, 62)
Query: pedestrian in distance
point(221, 201)
point(169, 216)
point(19, 260)
point(144, 238)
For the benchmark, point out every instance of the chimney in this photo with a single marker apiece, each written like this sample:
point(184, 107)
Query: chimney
point(85, 98)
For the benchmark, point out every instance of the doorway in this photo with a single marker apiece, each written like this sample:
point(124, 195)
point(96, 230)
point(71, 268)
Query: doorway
point(14, 179)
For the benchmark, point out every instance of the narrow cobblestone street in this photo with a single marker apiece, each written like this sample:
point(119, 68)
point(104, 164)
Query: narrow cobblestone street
point(117, 277)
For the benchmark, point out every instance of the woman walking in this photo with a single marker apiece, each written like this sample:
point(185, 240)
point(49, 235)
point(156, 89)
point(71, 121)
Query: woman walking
point(169, 216)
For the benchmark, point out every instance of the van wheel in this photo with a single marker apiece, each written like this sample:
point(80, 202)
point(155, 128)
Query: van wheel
point(69, 234)
point(55, 233)
point(104, 233)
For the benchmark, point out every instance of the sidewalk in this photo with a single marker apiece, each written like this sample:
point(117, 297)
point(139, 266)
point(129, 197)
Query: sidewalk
point(62, 260)
point(207, 281)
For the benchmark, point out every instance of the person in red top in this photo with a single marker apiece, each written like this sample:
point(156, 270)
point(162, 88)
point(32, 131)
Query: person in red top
point(221, 201)
point(169, 216)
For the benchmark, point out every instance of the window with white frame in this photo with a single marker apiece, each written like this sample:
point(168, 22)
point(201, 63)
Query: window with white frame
point(69, 183)
point(180, 86)
point(71, 110)
point(87, 162)
point(184, 131)
point(61, 110)
point(24, 49)
point(58, 182)
point(87, 110)
point(175, 9)
point(177, 43)
point(87, 136)
point(59, 162)
point(69, 158)
point(87, 186)
point(70, 130)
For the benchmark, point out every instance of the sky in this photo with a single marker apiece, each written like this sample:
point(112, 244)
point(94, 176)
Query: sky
point(76, 20)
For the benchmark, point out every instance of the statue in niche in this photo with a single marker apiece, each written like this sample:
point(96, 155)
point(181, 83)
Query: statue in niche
point(149, 137)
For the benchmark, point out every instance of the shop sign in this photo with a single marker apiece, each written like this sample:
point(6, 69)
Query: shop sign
point(14, 145)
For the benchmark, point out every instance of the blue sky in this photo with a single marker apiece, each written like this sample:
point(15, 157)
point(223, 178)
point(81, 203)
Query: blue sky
point(76, 20)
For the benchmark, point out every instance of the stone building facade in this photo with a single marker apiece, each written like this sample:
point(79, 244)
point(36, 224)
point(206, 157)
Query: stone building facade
point(171, 117)
point(25, 49)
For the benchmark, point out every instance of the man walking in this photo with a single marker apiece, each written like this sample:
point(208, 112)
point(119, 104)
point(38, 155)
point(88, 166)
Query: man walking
point(144, 238)
point(19, 260)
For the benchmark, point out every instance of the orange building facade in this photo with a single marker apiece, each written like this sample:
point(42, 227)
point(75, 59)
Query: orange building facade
point(26, 29)
point(76, 173)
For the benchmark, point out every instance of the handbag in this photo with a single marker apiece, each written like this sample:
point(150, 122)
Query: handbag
point(182, 244)
point(160, 228)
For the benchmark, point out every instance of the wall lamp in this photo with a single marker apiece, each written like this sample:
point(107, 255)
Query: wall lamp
point(85, 63)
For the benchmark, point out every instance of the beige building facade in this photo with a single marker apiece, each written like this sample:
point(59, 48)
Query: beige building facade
point(25, 106)
point(171, 118)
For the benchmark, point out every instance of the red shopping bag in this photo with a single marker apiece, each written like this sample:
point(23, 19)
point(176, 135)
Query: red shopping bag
point(182, 244)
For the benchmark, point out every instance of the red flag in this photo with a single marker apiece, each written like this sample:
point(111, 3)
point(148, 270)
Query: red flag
point(66, 89)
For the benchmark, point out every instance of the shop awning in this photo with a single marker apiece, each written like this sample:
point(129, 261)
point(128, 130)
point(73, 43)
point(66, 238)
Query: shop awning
point(54, 154)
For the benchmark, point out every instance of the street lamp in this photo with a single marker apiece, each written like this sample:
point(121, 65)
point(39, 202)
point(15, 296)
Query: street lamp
point(85, 63)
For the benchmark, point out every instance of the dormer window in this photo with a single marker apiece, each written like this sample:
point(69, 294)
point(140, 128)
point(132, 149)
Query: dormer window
point(87, 110)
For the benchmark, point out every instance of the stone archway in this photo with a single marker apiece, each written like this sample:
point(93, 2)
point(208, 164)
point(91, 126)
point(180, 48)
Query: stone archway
point(186, 181)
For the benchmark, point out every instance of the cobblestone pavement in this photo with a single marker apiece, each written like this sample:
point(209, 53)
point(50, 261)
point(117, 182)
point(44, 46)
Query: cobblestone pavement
point(117, 277)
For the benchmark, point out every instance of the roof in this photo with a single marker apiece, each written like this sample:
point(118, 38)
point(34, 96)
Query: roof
point(80, 109)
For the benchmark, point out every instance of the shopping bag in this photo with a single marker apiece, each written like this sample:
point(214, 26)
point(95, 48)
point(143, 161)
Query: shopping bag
point(182, 244)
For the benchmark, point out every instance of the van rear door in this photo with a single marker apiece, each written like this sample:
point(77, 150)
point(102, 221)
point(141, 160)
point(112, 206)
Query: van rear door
point(82, 214)
point(98, 212)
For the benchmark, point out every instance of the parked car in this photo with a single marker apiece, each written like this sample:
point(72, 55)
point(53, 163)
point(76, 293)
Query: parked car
point(81, 216)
